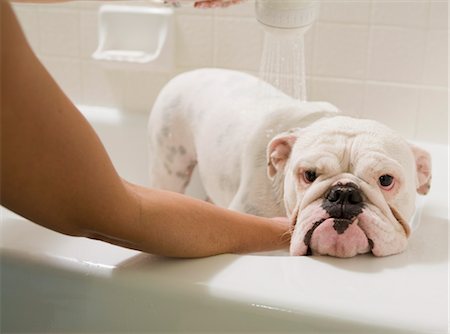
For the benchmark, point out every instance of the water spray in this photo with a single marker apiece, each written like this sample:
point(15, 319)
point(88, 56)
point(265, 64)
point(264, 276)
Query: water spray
point(285, 23)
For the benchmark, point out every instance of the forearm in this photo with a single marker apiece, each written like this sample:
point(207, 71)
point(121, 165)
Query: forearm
point(175, 225)
point(50, 154)
point(56, 172)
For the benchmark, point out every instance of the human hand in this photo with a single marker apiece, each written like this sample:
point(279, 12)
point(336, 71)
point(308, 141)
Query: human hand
point(215, 3)
point(206, 3)
point(285, 226)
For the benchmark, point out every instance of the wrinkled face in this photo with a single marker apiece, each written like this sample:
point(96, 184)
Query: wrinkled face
point(349, 186)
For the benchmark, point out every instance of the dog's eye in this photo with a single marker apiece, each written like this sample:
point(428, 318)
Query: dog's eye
point(386, 181)
point(309, 176)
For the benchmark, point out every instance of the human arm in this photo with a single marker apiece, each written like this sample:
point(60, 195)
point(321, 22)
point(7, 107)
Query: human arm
point(197, 4)
point(56, 172)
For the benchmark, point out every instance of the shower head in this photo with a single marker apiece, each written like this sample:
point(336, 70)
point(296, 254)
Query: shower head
point(286, 15)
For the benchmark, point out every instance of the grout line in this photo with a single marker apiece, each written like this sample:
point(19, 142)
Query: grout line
point(82, 10)
point(82, 13)
point(424, 57)
point(379, 83)
point(383, 26)
point(39, 30)
point(368, 60)
point(214, 41)
point(312, 66)
point(80, 34)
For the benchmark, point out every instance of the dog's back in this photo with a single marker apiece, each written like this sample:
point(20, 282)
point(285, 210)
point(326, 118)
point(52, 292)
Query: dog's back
point(221, 120)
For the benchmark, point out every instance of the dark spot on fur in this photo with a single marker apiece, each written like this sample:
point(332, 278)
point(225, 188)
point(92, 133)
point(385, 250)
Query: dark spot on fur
point(191, 166)
point(169, 158)
point(341, 225)
point(173, 150)
point(167, 167)
point(165, 131)
point(308, 235)
point(186, 174)
point(182, 150)
point(181, 175)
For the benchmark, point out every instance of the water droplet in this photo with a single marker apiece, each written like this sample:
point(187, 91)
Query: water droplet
point(282, 64)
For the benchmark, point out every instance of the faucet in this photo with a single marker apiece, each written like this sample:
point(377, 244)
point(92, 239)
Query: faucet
point(287, 15)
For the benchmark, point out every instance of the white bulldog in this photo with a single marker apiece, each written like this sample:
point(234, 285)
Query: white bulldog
point(348, 185)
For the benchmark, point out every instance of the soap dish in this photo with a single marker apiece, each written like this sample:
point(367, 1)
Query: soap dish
point(135, 34)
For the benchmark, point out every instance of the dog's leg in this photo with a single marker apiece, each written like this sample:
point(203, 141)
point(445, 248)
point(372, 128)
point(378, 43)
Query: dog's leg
point(172, 155)
point(171, 163)
point(239, 202)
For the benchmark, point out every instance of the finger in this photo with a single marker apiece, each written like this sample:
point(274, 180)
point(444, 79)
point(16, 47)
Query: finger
point(215, 3)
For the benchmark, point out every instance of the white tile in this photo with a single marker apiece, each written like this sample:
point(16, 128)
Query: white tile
point(189, 8)
point(354, 11)
point(59, 32)
point(396, 55)
point(404, 13)
point(395, 106)
point(142, 89)
point(439, 14)
point(87, 5)
point(348, 96)
point(432, 120)
point(238, 43)
point(194, 41)
point(245, 8)
point(67, 73)
point(61, 6)
point(102, 86)
point(340, 50)
point(436, 59)
point(28, 19)
point(88, 32)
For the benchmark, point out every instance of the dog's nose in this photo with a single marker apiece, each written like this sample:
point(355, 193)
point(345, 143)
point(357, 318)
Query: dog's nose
point(344, 194)
point(343, 201)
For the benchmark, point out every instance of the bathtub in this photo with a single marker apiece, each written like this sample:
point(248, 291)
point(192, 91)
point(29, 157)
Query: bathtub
point(56, 283)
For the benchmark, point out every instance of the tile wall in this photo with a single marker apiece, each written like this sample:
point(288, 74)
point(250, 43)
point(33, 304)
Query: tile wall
point(386, 60)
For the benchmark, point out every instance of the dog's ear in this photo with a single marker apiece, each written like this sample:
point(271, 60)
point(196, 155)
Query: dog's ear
point(278, 152)
point(423, 168)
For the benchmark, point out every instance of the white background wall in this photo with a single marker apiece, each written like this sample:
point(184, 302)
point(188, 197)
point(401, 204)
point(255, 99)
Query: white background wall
point(386, 60)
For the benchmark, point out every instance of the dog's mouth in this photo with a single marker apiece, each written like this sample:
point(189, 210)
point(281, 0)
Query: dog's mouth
point(315, 232)
point(338, 237)
point(344, 225)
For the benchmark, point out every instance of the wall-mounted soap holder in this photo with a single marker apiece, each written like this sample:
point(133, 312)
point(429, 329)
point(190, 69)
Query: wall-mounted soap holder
point(136, 36)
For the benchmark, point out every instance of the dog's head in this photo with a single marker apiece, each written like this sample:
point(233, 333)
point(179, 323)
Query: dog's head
point(349, 186)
